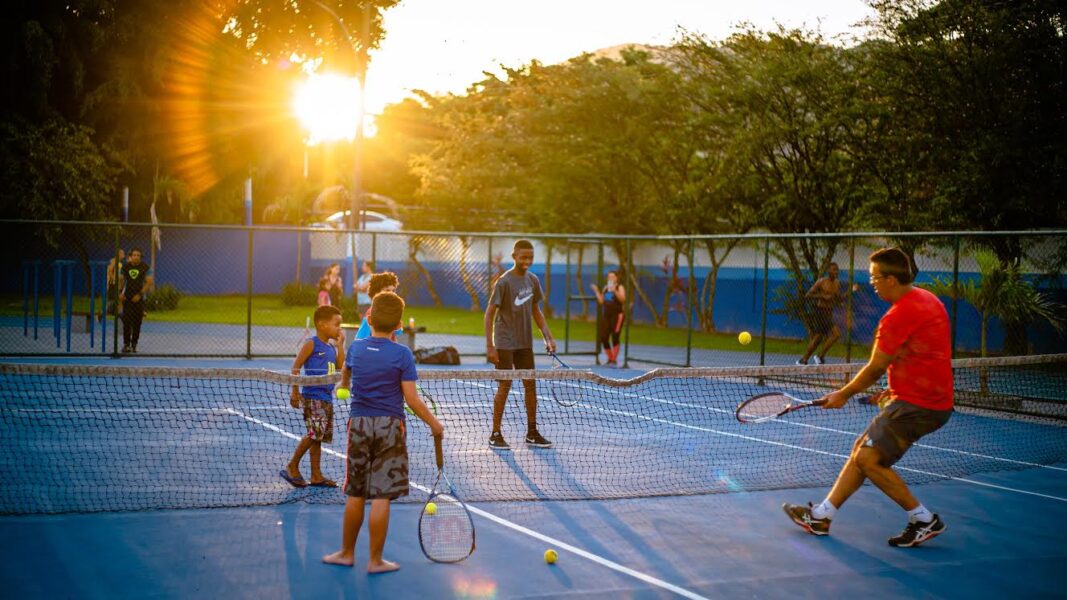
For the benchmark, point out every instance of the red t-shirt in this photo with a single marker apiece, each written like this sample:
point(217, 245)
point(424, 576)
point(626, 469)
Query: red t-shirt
point(916, 330)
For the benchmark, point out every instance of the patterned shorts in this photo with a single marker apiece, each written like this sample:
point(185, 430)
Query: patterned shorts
point(377, 458)
point(318, 416)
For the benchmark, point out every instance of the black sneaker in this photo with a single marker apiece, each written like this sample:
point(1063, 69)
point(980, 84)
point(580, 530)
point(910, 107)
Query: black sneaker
point(918, 532)
point(801, 515)
point(496, 442)
point(535, 439)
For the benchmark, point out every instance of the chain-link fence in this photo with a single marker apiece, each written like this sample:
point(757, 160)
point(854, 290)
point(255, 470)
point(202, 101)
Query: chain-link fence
point(250, 292)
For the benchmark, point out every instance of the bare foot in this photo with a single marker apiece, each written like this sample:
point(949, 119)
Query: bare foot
point(340, 558)
point(383, 566)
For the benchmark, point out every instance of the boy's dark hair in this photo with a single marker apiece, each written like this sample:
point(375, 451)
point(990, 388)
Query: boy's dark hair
point(380, 281)
point(521, 245)
point(386, 311)
point(893, 261)
point(325, 313)
point(135, 249)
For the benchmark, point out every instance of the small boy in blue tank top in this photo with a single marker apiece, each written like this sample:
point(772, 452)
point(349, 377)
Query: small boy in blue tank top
point(320, 355)
point(382, 375)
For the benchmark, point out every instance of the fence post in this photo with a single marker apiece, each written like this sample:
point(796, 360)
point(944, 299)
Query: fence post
point(691, 301)
point(763, 316)
point(118, 303)
point(567, 302)
point(628, 260)
point(849, 316)
point(248, 328)
point(599, 309)
point(955, 288)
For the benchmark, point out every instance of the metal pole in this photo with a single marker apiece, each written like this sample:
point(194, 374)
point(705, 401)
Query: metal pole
point(567, 304)
point(849, 316)
point(118, 299)
point(955, 289)
point(36, 295)
point(248, 201)
point(125, 204)
point(689, 313)
point(629, 317)
point(248, 317)
point(25, 299)
point(70, 299)
point(57, 301)
point(763, 316)
point(599, 312)
point(92, 305)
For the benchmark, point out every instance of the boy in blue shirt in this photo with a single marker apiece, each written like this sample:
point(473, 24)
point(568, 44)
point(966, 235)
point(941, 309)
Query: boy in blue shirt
point(382, 376)
point(318, 356)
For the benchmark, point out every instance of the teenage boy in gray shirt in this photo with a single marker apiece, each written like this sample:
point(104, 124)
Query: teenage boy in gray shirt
point(514, 306)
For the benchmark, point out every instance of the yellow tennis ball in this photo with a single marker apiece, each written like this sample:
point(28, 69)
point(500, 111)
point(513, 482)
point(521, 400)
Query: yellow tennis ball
point(551, 556)
point(431, 508)
point(343, 393)
point(744, 337)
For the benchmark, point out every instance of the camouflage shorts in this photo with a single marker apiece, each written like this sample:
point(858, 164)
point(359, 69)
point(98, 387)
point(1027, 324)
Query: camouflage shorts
point(377, 458)
point(318, 416)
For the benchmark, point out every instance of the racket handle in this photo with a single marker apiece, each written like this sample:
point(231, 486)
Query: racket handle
point(438, 452)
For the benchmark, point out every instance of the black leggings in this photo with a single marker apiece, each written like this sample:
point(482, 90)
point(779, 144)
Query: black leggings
point(132, 315)
point(610, 328)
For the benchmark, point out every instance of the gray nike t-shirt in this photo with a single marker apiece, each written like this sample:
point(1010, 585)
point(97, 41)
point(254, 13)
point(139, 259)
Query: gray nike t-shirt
point(515, 296)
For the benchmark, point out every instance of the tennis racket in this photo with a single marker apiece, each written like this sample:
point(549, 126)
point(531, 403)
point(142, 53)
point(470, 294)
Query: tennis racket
point(430, 402)
point(767, 407)
point(562, 392)
point(446, 531)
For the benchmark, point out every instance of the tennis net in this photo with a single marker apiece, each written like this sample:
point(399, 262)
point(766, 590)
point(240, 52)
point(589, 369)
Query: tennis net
point(86, 438)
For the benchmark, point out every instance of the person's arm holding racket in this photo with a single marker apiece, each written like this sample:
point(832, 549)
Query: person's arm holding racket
point(868, 376)
point(419, 408)
point(542, 325)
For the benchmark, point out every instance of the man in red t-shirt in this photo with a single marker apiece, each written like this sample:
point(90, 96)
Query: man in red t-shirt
point(912, 346)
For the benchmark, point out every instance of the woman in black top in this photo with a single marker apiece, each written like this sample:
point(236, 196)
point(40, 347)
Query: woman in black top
point(612, 299)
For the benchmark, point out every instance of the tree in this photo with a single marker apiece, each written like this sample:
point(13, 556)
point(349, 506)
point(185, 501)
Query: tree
point(1001, 291)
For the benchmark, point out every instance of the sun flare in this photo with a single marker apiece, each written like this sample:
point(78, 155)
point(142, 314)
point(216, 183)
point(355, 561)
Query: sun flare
point(328, 107)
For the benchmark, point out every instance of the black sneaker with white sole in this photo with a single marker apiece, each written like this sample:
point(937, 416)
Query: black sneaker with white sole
point(496, 441)
point(537, 440)
point(918, 532)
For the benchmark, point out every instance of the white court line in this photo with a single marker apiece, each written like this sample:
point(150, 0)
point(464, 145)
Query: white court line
point(806, 449)
point(511, 525)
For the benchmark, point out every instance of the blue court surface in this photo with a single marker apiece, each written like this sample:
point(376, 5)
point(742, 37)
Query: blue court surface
point(995, 482)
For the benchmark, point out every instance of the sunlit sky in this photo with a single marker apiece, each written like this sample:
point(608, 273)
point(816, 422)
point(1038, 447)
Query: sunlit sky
point(444, 45)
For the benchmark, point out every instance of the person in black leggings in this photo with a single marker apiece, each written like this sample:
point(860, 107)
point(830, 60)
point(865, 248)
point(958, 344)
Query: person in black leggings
point(136, 282)
point(612, 299)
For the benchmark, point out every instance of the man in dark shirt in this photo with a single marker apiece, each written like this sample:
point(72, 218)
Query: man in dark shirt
point(136, 282)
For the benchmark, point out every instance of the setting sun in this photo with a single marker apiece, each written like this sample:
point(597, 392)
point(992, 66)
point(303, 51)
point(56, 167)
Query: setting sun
point(328, 107)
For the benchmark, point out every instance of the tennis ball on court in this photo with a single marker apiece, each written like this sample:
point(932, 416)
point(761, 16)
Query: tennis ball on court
point(431, 508)
point(744, 337)
point(551, 556)
point(343, 393)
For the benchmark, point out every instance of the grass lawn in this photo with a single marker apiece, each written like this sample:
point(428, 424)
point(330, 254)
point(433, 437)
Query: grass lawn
point(269, 310)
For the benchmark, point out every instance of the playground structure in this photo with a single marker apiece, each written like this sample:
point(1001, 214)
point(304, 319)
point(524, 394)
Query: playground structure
point(63, 290)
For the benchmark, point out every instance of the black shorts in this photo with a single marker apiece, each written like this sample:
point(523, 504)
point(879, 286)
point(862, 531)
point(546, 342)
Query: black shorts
point(822, 322)
point(521, 358)
point(899, 425)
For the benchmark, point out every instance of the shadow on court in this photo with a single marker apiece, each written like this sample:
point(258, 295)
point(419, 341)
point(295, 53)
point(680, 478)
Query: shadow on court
point(999, 543)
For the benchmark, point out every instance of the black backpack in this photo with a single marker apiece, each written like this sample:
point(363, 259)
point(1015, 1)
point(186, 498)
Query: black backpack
point(438, 355)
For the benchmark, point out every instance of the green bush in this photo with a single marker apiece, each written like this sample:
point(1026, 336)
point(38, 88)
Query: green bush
point(296, 293)
point(164, 297)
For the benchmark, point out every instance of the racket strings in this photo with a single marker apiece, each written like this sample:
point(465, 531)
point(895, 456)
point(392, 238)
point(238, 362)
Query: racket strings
point(764, 407)
point(447, 535)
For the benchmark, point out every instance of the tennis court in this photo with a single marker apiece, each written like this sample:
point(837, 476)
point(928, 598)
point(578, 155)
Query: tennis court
point(652, 489)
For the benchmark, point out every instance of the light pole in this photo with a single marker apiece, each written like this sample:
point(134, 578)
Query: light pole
point(354, 221)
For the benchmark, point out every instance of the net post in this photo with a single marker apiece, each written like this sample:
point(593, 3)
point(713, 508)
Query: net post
point(248, 316)
point(691, 298)
point(629, 311)
point(763, 311)
point(955, 288)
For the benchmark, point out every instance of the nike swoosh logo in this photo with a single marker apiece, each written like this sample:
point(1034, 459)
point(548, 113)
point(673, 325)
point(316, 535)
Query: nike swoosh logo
point(519, 301)
point(320, 354)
